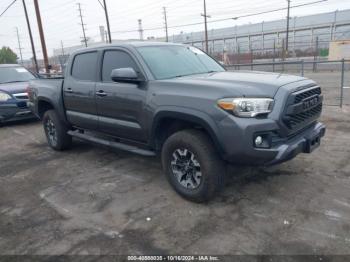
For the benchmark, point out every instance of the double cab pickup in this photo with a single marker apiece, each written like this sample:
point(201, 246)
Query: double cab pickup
point(176, 101)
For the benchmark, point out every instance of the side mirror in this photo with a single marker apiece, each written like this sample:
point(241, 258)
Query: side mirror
point(126, 74)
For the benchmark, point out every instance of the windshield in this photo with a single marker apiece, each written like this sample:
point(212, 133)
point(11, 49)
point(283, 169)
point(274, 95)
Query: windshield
point(176, 61)
point(15, 74)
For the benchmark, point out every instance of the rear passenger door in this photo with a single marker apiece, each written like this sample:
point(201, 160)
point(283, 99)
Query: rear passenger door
point(79, 91)
point(121, 108)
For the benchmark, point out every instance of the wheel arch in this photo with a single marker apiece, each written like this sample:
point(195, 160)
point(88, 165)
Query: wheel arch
point(43, 106)
point(186, 118)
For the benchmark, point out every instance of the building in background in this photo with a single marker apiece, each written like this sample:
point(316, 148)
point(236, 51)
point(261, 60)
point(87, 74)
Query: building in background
point(309, 36)
point(339, 49)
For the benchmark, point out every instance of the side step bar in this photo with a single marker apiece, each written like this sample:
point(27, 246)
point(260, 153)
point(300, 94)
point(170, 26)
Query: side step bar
point(109, 143)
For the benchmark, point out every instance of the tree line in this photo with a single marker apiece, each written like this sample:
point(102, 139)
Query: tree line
point(7, 56)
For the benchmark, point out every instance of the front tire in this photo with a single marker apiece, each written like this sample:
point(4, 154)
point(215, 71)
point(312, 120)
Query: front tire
point(56, 131)
point(192, 165)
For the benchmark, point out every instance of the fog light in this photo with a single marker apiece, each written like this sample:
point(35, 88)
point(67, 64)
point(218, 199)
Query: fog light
point(258, 141)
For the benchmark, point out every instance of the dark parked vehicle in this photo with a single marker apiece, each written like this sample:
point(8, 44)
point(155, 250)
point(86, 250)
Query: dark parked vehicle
point(175, 100)
point(14, 81)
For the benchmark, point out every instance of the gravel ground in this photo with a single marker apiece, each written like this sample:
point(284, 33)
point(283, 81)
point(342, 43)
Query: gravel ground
point(91, 200)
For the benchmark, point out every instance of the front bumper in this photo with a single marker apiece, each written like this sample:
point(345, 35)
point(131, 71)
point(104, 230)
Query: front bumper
point(12, 112)
point(305, 142)
point(237, 141)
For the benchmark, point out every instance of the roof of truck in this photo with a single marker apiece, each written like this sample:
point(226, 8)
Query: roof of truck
point(126, 44)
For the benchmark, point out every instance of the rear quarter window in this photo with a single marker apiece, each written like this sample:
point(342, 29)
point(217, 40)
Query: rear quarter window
point(85, 66)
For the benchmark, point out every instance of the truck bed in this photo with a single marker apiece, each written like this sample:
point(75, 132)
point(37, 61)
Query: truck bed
point(50, 88)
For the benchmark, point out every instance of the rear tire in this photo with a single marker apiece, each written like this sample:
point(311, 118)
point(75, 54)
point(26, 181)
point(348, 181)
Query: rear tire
point(56, 131)
point(193, 166)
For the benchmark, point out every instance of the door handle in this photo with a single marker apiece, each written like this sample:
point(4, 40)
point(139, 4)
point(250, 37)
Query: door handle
point(101, 93)
point(69, 90)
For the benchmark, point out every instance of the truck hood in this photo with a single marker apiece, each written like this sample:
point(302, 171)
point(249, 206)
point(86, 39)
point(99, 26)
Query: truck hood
point(14, 88)
point(246, 83)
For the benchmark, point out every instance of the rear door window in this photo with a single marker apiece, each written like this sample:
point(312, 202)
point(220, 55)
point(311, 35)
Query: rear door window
point(85, 66)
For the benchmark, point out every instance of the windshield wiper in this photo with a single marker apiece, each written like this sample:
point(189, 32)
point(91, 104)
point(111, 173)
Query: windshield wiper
point(199, 73)
point(183, 75)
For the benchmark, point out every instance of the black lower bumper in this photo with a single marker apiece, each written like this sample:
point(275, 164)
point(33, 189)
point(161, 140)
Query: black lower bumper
point(305, 142)
point(238, 141)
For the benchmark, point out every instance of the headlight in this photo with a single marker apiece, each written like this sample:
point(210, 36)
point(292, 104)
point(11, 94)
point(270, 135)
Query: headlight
point(4, 96)
point(246, 107)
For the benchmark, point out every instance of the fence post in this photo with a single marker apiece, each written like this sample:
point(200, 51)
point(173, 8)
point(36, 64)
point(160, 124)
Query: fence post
point(315, 55)
point(302, 67)
point(223, 51)
point(342, 82)
point(251, 55)
point(283, 54)
point(274, 55)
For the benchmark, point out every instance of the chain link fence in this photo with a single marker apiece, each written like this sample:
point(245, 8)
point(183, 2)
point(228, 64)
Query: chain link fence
point(332, 76)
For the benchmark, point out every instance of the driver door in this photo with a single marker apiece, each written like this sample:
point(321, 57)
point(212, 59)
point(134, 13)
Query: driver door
point(120, 106)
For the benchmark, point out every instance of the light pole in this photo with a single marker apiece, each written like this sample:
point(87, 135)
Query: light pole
point(104, 6)
point(287, 32)
point(205, 26)
point(31, 37)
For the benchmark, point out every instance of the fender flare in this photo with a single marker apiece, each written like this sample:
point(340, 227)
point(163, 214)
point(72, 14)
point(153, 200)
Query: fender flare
point(54, 105)
point(190, 115)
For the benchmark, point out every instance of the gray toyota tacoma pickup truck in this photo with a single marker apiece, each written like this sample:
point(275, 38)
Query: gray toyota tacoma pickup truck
point(178, 102)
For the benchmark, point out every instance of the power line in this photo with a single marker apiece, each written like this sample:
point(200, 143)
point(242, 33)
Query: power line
point(222, 19)
point(8, 7)
point(266, 12)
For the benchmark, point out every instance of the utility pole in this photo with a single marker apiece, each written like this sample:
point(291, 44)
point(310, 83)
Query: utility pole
point(107, 21)
point(30, 36)
point(287, 32)
point(42, 38)
point(62, 58)
point(140, 29)
point(205, 26)
point(82, 24)
point(19, 45)
point(166, 25)
point(62, 49)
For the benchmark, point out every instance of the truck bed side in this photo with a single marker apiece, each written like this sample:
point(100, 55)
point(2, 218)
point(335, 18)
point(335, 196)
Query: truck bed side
point(44, 94)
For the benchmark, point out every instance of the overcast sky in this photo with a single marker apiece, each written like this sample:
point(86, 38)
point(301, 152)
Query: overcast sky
point(61, 21)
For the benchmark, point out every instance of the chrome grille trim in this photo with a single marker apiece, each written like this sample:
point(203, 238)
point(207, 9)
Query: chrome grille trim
point(21, 96)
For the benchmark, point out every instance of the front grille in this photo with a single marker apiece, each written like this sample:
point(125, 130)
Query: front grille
point(297, 119)
point(307, 94)
point(302, 108)
point(22, 104)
